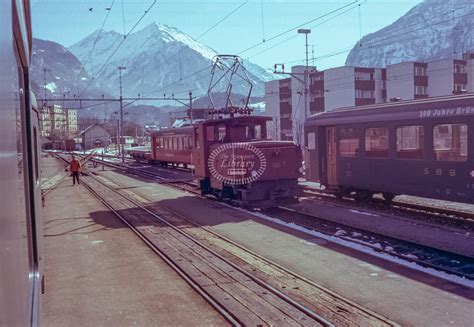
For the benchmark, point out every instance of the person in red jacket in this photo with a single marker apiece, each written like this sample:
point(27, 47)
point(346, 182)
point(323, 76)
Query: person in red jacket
point(75, 168)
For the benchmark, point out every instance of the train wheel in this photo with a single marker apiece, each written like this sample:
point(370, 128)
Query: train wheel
point(342, 193)
point(364, 196)
point(388, 197)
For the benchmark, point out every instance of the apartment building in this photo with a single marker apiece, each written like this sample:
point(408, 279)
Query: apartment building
point(407, 81)
point(278, 106)
point(353, 86)
point(58, 122)
point(469, 57)
point(446, 77)
point(72, 121)
point(357, 86)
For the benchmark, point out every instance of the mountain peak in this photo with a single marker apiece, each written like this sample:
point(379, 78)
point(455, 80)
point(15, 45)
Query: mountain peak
point(433, 29)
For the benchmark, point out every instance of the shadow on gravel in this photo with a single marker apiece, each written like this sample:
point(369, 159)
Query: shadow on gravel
point(282, 248)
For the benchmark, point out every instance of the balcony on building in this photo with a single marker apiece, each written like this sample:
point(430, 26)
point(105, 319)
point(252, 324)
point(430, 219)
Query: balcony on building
point(285, 87)
point(364, 97)
point(316, 103)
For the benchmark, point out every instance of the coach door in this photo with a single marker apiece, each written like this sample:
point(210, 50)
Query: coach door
point(331, 155)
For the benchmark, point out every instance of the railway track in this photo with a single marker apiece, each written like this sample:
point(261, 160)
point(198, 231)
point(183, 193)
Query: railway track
point(446, 214)
point(436, 214)
point(240, 297)
point(422, 255)
point(262, 292)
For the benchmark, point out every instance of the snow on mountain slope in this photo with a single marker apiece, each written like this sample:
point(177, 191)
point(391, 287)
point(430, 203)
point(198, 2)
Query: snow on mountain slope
point(158, 59)
point(434, 29)
point(64, 72)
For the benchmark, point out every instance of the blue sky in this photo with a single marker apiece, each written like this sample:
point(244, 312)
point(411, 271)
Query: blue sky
point(68, 21)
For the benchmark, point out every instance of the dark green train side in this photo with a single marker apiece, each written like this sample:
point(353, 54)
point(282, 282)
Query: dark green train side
point(421, 148)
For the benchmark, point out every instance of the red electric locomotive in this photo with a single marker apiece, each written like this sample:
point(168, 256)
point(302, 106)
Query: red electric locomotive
point(233, 160)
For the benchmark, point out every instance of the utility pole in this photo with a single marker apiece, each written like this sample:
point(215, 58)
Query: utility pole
point(45, 70)
point(305, 32)
point(191, 106)
point(122, 145)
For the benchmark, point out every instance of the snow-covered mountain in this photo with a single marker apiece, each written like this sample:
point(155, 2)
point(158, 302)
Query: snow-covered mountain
point(64, 72)
point(434, 29)
point(158, 59)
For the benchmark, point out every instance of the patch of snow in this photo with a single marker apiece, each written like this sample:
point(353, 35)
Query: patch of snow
point(51, 86)
point(57, 77)
point(176, 35)
point(83, 78)
point(364, 213)
point(362, 248)
point(340, 232)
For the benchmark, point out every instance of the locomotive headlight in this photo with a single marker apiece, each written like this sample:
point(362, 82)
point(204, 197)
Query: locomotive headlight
point(301, 170)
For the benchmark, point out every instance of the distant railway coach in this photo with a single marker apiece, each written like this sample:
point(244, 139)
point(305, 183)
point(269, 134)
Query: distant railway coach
point(172, 146)
point(422, 148)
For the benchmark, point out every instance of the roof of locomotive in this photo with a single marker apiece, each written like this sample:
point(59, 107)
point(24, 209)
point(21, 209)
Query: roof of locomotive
point(435, 107)
point(236, 120)
point(173, 131)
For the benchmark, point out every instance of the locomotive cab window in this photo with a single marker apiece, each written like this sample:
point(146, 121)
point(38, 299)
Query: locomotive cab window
point(258, 131)
point(210, 133)
point(249, 132)
point(376, 142)
point(197, 140)
point(450, 142)
point(221, 133)
point(410, 142)
point(348, 142)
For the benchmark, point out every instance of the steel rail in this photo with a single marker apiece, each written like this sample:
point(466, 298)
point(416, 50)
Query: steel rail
point(257, 280)
point(379, 235)
point(277, 265)
point(216, 305)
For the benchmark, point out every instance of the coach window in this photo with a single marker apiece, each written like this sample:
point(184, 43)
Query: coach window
point(312, 141)
point(348, 142)
point(376, 142)
point(35, 149)
point(410, 142)
point(450, 142)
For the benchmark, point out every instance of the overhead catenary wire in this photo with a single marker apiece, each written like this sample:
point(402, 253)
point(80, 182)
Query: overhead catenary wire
point(108, 9)
point(393, 33)
point(118, 46)
point(299, 26)
point(296, 35)
point(211, 28)
point(385, 40)
point(287, 31)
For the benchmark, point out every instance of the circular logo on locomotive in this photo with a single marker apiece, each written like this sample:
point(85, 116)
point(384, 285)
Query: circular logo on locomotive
point(237, 163)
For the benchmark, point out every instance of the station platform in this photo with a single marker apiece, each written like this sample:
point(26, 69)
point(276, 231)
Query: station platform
point(99, 273)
